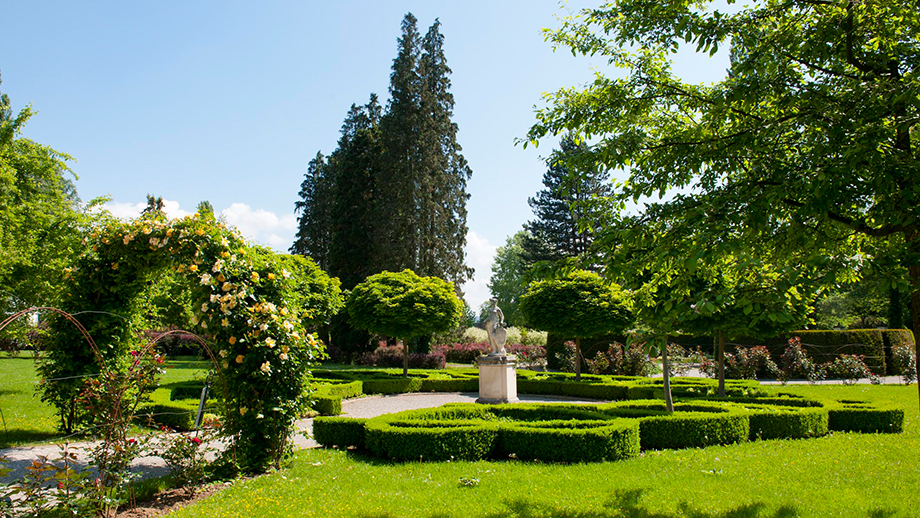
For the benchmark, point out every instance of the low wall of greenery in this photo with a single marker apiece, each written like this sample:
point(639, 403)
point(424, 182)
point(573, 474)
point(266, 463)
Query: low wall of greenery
point(596, 432)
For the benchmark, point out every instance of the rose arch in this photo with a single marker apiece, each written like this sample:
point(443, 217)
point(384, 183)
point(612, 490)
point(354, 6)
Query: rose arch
point(256, 307)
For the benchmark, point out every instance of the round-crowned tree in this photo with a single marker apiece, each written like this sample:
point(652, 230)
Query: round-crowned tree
point(579, 305)
point(404, 306)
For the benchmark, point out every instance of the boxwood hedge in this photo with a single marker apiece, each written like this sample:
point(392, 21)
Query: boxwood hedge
point(596, 432)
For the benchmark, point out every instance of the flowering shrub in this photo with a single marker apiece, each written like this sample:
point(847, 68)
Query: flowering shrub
point(904, 362)
point(392, 356)
point(849, 368)
point(530, 355)
point(255, 305)
point(567, 357)
point(620, 360)
point(679, 360)
point(750, 363)
point(797, 364)
point(186, 457)
point(51, 486)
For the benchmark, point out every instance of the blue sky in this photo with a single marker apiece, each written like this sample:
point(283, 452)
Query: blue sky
point(228, 101)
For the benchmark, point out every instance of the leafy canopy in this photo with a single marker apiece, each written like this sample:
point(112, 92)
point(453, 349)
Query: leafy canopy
point(580, 304)
point(808, 145)
point(404, 305)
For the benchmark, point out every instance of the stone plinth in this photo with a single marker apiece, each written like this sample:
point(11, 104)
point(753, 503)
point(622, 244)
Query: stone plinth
point(497, 379)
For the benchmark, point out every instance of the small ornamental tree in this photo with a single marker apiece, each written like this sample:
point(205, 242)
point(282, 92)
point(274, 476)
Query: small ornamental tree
point(578, 305)
point(404, 305)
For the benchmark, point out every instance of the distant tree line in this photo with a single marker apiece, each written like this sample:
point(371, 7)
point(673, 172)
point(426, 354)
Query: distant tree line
point(392, 195)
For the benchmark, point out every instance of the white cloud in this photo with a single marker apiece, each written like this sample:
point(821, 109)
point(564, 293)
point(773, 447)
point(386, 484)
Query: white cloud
point(479, 254)
point(123, 210)
point(262, 226)
point(257, 225)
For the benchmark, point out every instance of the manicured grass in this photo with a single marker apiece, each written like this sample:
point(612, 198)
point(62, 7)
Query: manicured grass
point(844, 474)
point(30, 421)
point(27, 419)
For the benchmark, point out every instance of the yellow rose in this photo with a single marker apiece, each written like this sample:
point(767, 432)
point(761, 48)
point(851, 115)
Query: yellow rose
point(193, 268)
point(232, 340)
point(239, 358)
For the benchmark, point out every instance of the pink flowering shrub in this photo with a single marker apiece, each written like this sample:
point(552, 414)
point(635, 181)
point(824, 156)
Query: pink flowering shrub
point(469, 352)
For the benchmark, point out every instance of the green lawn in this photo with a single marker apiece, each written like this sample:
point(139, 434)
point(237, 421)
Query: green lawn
point(845, 474)
point(30, 421)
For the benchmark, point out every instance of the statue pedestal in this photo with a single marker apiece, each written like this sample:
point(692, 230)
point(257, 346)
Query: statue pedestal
point(497, 379)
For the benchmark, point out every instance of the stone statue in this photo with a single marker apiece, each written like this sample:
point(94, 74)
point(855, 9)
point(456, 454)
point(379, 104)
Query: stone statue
point(495, 327)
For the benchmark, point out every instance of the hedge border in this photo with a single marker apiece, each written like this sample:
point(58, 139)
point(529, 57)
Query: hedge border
point(588, 433)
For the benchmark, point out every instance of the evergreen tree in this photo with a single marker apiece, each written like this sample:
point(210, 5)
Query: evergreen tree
point(424, 182)
point(561, 205)
point(354, 207)
point(397, 243)
point(445, 171)
point(313, 207)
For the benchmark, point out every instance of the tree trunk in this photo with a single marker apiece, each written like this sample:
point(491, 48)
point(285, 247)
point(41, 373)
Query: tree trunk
point(915, 310)
point(666, 367)
point(577, 359)
point(721, 354)
point(405, 358)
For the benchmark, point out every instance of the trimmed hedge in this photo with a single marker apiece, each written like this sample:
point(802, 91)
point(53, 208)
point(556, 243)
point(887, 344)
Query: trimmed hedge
point(608, 431)
point(327, 399)
point(392, 386)
point(340, 432)
point(176, 416)
point(772, 422)
point(190, 389)
point(860, 417)
point(430, 440)
point(826, 346)
point(569, 441)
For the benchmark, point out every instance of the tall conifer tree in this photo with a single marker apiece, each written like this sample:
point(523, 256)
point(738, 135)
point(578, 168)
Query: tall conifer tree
point(313, 225)
point(354, 211)
point(554, 235)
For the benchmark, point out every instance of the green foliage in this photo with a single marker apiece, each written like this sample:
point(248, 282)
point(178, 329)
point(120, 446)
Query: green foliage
point(562, 207)
point(387, 437)
point(580, 305)
point(804, 153)
point(586, 433)
point(404, 305)
point(393, 194)
point(340, 432)
point(251, 302)
point(327, 398)
point(776, 422)
point(855, 416)
point(826, 346)
point(507, 283)
point(317, 296)
point(42, 224)
point(686, 428)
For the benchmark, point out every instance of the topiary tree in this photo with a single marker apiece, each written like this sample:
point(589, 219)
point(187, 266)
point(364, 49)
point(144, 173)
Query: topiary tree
point(404, 305)
point(580, 305)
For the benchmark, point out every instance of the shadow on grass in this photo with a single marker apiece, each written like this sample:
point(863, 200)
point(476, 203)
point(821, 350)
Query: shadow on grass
point(626, 504)
point(19, 436)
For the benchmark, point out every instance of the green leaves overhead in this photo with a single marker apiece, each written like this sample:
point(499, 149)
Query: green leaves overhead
point(404, 305)
point(579, 304)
